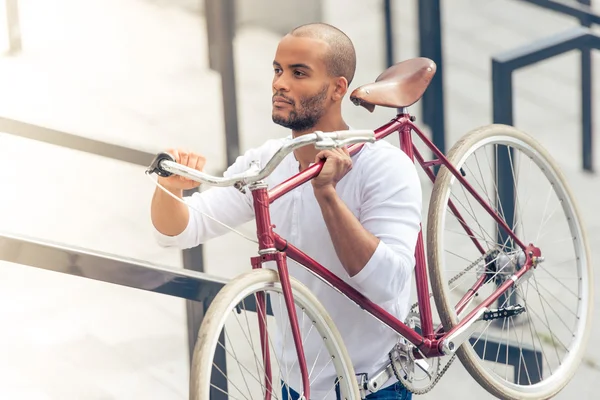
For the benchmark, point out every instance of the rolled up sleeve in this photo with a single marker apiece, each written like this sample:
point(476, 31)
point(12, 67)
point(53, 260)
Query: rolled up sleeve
point(391, 210)
point(224, 204)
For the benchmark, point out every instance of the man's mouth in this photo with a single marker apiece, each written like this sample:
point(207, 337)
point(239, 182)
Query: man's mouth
point(280, 101)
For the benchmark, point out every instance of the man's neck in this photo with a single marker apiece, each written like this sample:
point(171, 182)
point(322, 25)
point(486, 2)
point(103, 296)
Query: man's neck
point(307, 154)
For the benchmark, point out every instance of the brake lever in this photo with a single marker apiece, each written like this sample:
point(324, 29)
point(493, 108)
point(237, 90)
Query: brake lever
point(155, 165)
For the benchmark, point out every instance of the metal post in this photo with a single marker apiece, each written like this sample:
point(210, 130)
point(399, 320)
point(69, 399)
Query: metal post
point(503, 114)
point(193, 259)
point(389, 33)
point(220, 25)
point(13, 26)
point(586, 100)
point(430, 46)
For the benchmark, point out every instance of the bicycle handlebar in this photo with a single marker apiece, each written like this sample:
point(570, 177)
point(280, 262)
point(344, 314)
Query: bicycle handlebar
point(164, 164)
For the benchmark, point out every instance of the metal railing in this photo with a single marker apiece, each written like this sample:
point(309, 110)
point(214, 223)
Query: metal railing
point(504, 64)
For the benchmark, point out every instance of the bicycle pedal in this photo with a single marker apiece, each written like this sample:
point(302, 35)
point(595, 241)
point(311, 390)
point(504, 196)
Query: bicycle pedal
point(505, 312)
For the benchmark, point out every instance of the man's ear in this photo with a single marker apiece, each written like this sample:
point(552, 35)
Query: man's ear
point(340, 89)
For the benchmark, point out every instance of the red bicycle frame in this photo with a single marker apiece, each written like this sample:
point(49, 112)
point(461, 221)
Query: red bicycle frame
point(273, 247)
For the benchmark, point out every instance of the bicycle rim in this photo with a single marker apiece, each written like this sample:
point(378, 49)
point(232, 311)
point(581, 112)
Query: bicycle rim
point(532, 355)
point(245, 373)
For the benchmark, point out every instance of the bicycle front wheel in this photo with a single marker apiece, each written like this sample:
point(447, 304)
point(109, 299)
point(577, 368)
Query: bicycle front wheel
point(229, 360)
point(532, 355)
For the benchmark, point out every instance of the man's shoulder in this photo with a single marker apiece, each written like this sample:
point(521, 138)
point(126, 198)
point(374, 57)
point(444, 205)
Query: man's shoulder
point(381, 152)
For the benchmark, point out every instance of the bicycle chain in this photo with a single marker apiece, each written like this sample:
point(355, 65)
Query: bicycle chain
point(413, 310)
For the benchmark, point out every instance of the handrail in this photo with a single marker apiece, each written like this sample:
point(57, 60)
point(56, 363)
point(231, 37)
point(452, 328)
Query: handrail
point(110, 268)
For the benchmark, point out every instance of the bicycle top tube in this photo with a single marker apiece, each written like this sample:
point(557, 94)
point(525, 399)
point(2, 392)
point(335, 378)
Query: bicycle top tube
point(164, 164)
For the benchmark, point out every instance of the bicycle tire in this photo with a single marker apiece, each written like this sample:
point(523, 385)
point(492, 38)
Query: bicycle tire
point(457, 156)
point(231, 295)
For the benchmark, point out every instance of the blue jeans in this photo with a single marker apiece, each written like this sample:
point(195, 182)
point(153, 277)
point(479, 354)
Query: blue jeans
point(393, 392)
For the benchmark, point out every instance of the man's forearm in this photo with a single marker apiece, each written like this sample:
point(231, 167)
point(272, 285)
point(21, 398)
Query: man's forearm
point(353, 244)
point(169, 216)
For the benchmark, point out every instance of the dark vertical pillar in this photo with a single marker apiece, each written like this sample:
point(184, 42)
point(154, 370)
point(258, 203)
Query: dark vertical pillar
point(503, 114)
point(586, 101)
point(389, 33)
point(193, 259)
point(220, 25)
point(430, 46)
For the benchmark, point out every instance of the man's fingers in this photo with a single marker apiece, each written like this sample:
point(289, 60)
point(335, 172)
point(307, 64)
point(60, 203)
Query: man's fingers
point(322, 155)
point(192, 160)
point(174, 153)
point(183, 157)
point(200, 163)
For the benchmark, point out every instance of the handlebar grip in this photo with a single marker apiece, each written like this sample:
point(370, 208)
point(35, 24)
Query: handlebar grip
point(155, 166)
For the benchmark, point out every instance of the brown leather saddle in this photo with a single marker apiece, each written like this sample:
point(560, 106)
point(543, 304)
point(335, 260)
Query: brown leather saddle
point(401, 85)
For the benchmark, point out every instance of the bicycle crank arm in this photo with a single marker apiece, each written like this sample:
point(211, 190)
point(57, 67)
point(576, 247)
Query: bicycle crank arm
point(454, 340)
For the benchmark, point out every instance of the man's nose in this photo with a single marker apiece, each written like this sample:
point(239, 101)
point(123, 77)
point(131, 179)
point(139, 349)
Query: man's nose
point(280, 84)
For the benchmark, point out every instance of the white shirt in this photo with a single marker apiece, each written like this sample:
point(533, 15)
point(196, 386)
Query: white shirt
point(384, 192)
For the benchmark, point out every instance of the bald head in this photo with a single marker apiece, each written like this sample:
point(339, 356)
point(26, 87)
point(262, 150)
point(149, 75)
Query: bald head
point(341, 57)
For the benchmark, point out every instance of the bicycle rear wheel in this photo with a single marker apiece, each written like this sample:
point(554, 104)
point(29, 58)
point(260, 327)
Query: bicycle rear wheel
point(231, 328)
point(535, 354)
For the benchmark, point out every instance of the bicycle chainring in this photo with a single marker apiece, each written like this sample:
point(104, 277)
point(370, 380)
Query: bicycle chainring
point(418, 376)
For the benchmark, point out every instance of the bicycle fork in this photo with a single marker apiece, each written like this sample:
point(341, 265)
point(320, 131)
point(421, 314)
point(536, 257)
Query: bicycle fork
point(268, 252)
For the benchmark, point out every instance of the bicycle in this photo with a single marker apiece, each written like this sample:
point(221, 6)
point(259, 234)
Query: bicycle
point(503, 263)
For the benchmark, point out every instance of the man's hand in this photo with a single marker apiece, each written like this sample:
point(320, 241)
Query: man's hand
point(337, 164)
point(189, 159)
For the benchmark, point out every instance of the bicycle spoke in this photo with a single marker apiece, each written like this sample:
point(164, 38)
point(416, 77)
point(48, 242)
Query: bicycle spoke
point(459, 256)
point(283, 342)
point(548, 322)
point(533, 339)
point(322, 369)
point(542, 348)
point(264, 319)
point(559, 301)
point(482, 185)
point(515, 184)
point(544, 213)
point(229, 396)
point(521, 216)
point(303, 342)
point(224, 375)
point(332, 388)
point(473, 212)
point(257, 362)
point(473, 237)
point(493, 174)
point(521, 357)
point(498, 351)
point(234, 353)
point(559, 281)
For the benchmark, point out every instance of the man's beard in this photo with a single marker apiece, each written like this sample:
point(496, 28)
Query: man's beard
point(307, 115)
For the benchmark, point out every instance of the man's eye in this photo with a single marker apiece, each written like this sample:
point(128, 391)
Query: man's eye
point(277, 70)
point(299, 73)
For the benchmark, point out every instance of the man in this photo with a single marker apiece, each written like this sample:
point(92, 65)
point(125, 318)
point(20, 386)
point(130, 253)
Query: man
point(363, 227)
